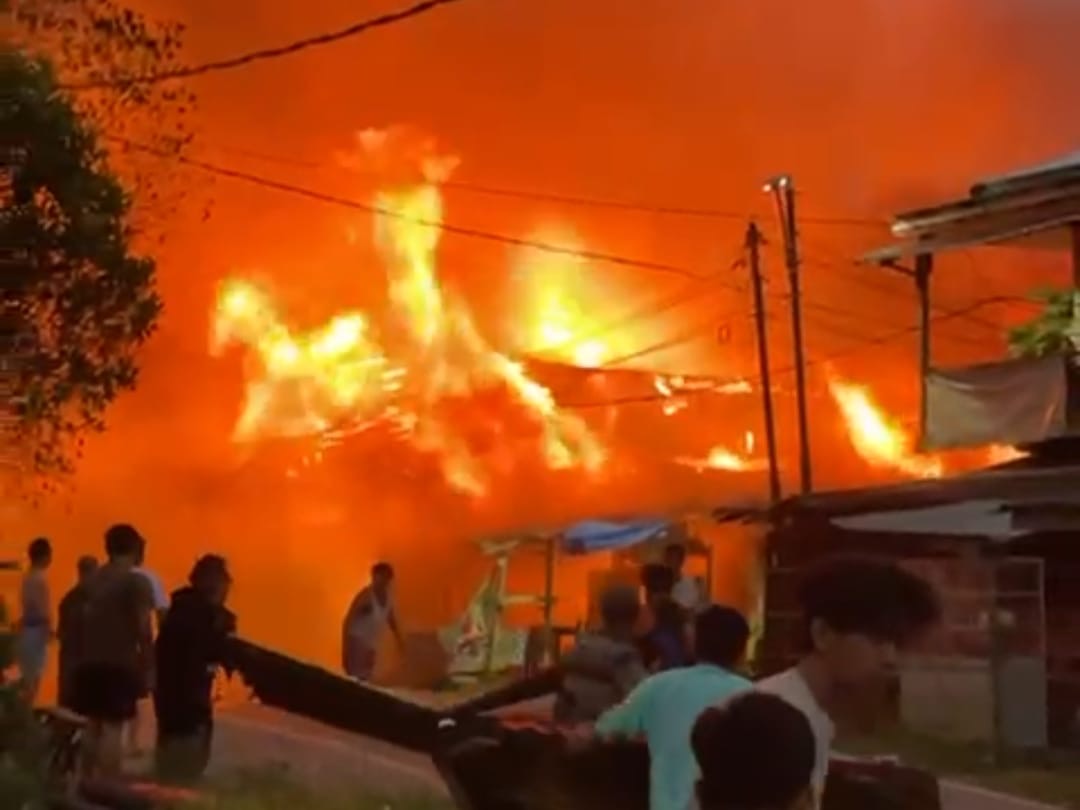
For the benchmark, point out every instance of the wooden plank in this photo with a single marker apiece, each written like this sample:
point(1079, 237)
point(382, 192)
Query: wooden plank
point(924, 268)
point(1074, 233)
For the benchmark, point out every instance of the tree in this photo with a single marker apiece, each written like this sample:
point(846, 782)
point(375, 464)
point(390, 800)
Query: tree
point(1055, 331)
point(77, 299)
point(104, 42)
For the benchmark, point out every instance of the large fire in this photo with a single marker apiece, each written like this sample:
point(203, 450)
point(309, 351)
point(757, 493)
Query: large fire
point(423, 372)
point(885, 443)
point(880, 440)
point(437, 382)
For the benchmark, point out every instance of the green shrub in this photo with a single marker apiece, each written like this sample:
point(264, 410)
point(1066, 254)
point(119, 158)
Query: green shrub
point(1053, 331)
point(22, 757)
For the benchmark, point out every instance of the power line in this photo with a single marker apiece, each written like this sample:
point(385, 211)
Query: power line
point(861, 279)
point(264, 54)
point(844, 331)
point(658, 307)
point(683, 337)
point(680, 297)
point(573, 199)
point(851, 333)
point(693, 290)
point(666, 304)
point(689, 335)
point(458, 230)
point(887, 337)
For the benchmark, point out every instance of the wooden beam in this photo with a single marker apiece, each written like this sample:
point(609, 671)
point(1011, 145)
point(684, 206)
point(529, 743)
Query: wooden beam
point(924, 267)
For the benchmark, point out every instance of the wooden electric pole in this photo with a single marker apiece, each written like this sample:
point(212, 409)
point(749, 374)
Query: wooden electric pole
point(753, 249)
point(784, 191)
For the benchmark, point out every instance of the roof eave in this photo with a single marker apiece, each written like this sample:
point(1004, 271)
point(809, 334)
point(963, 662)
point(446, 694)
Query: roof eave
point(1002, 233)
point(1056, 484)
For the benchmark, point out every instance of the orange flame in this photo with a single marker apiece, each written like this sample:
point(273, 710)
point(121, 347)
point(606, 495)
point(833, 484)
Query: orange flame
point(340, 375)
point(878, 439)
point(723, 458)
point(309, 381)
point(1003, 453)
point(553, 293)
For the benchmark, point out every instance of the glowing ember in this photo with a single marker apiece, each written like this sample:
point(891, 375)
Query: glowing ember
point(722, 458)
point(446, 389)
point(670, 407)
point(671, 404)
point(879, 440)
point(1002, 454)
point(672, 387)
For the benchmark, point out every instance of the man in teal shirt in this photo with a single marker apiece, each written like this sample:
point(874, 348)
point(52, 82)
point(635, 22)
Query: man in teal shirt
point(664, 707)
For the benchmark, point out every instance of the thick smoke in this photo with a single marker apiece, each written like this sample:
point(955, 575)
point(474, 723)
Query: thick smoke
point(871, 105)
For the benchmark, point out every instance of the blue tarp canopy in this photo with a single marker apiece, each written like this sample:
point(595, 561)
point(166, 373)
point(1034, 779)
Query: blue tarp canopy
point(603, 535)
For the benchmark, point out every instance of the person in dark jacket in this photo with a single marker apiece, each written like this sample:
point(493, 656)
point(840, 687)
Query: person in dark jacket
point(658, 581)
point(666, 645)
point(755, 752)
point(70, 630)
point(191, 645)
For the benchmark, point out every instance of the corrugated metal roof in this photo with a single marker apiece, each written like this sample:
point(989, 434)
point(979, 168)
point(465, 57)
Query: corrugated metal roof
point(1039, 200)
point(1059, 483)
point(1001, 235)
point(976, 518)
point(1063, 166)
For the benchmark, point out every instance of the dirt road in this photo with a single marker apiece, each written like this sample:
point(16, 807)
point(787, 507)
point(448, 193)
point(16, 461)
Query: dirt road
point(956, 796)
point(250, 736)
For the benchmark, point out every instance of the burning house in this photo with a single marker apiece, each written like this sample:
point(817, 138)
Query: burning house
point(1001, 542)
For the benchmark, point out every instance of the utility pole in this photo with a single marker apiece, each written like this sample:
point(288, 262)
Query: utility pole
point(753, 249)
point(783, 191)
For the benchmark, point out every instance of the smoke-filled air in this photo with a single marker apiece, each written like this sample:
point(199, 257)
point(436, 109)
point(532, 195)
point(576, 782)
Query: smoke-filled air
point(512, 205)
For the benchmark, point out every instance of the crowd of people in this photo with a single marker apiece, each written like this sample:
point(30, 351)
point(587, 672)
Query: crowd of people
point(716, 739)
point(668, 668)
point(126, 646)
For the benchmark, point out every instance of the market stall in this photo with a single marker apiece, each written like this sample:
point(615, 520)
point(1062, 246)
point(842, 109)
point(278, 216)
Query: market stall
point(482, 642)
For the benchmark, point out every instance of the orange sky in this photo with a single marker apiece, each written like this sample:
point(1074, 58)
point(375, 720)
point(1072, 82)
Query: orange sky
point(871, 105)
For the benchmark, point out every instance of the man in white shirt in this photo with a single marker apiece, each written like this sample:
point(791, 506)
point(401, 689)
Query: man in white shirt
point(137, 732)
point(161, 599)
point(371, 612)
point(858, 617)
point(687, 590)
point(35, 627)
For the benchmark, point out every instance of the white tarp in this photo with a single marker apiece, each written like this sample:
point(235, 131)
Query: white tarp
point(1012, 403)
